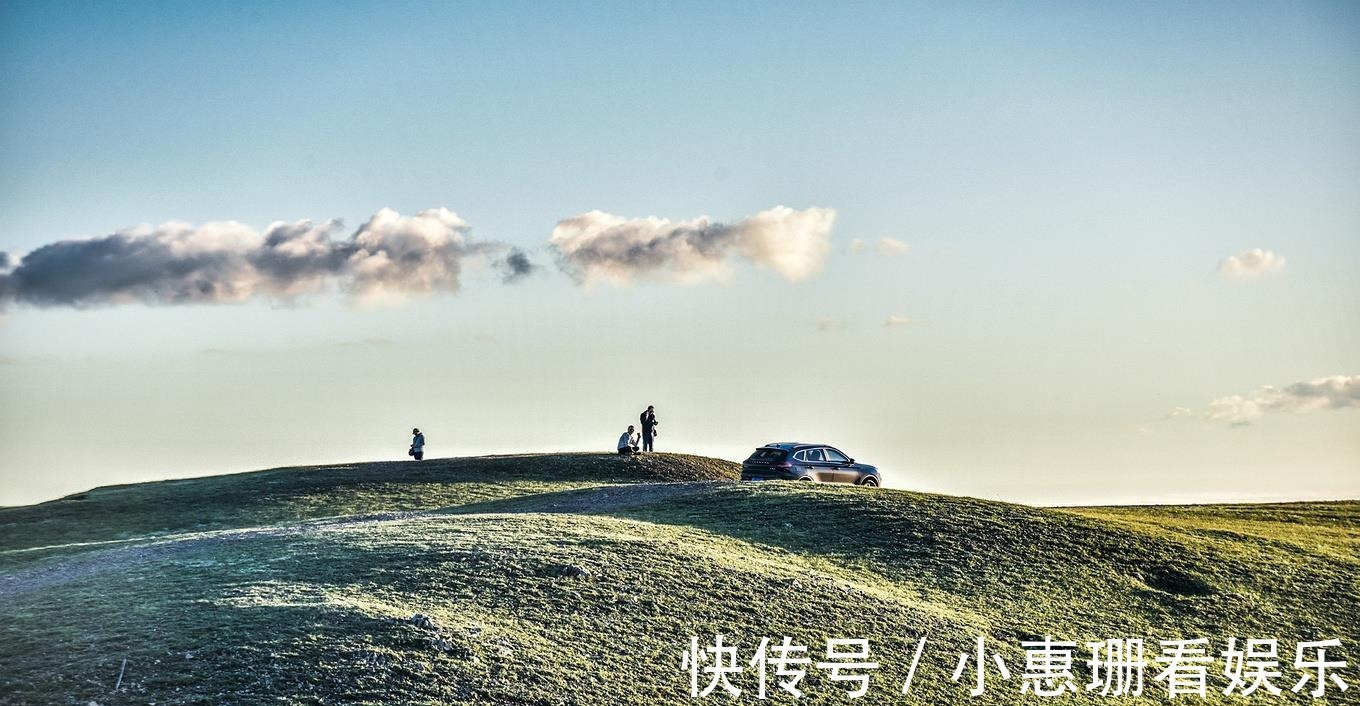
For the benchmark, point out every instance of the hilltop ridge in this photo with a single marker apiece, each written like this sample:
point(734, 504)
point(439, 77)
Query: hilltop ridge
point(129, 511)
point(579, 578)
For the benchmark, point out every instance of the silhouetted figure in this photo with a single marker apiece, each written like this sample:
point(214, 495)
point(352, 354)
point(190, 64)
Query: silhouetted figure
point(417, 445)
point(628, 442)
point(648, 419)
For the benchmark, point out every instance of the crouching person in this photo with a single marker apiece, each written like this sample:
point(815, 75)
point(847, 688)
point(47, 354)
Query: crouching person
point(628, 443)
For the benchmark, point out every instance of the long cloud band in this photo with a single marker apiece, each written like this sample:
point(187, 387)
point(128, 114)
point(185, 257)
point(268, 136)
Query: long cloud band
point(390, 256)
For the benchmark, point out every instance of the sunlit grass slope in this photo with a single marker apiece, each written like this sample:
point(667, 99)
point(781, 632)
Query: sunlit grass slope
point(123, 512)
point(578, 579)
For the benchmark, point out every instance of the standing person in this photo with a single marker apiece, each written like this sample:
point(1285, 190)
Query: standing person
point(417, 445)
point(648, 419)
point(628, 442)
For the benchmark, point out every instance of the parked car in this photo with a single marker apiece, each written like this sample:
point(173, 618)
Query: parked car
point(807, 462)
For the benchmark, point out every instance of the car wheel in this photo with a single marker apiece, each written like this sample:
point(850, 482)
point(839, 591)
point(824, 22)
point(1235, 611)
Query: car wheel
point(806, 478)
point(869, 481)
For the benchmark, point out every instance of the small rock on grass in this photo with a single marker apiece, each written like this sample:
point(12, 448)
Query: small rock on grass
point(572, 571)
point(423, 621)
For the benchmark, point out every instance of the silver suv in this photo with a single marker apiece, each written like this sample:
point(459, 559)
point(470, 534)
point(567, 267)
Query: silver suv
point(810, 462)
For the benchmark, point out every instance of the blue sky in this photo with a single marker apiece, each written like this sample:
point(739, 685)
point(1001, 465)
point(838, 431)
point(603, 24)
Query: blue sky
point(1068, 177)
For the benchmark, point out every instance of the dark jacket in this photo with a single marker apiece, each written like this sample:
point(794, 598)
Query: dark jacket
point(648, 419)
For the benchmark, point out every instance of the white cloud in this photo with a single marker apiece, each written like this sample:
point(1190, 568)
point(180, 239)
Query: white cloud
point(895, 320)
point(599, 246)
point(1335, 392)
point(1178, 412)
point(390, 257)
point(825, 325)
point(1250, 264)
point(857, 246)
point(888, 247)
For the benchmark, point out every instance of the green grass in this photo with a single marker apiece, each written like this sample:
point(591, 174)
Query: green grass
point(232, 590)
point(129, 512)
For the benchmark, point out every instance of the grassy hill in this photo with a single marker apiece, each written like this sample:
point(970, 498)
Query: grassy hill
point(579, 579)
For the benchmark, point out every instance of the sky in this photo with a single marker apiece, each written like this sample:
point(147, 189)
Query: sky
point(1051, 253)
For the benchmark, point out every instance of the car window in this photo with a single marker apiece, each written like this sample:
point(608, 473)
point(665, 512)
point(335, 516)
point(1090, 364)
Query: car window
point(835, 456)
point(767, 454)
point(813, 456)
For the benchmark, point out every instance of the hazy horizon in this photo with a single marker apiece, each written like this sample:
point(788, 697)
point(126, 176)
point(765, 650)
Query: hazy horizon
point(1094, 501)
point(1054, 254)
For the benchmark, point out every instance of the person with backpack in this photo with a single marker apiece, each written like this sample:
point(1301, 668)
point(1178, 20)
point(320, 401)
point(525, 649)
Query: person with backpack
point(648, 419)
point(417, 445)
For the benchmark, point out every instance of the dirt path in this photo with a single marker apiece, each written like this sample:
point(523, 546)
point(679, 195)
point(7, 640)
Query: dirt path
point(101, 561)
point(603, 498)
